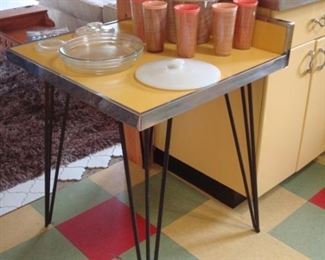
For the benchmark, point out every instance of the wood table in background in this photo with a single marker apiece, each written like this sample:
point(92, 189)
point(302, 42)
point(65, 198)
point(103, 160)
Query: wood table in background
point(15, 22)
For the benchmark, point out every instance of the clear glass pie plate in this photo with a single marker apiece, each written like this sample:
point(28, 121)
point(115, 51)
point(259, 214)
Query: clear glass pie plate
point(101, 53)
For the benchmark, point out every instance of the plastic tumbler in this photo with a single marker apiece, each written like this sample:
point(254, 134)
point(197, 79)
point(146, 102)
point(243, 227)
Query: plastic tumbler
point(154, 17)
point(205, 19)
point(245, 22)
point(186, 18)
point(137, 18)
point(223, 27)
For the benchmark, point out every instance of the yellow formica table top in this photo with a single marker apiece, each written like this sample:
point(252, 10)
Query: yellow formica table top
point(124, 98)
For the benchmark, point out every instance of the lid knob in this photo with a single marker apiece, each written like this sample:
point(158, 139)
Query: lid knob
point(176, 64)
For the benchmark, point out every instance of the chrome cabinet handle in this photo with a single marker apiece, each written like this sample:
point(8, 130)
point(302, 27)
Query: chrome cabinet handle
point(319, 52)
point(319, 21)
point(323, 18)
point(311, 55)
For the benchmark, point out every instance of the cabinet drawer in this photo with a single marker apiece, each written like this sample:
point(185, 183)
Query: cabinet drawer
point(305, 28)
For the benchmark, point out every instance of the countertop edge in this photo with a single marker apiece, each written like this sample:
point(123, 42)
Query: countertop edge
point(280, 5)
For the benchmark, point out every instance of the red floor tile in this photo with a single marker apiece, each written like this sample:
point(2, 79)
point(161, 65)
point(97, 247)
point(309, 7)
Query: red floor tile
point(104, 231)
point(319, 199)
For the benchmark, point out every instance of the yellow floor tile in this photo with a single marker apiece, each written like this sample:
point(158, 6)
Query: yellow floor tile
point(321, 159)
point(113, 180)
point(263, 246)
point(19, 226)
point(213, 231)
point(206, 230)
point(274, 207)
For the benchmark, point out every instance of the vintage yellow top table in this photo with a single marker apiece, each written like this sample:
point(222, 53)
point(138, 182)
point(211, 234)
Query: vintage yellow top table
point(141, 106)
point(122, 97)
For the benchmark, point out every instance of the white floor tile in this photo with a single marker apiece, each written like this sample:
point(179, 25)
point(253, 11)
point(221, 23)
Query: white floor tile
point(72, 173)
point(12, 199)
point(38, 187)
point(80, 163)
point(117, 150)
point(23, 187)
point(29, 191)
point(32, 197)
point(98, 162)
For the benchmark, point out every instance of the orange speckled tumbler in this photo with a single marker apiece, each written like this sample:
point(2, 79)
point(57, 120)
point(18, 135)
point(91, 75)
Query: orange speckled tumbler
point(186, 17)
point(245, 23)
point(137, 18)
point(223, 27)
point(154, 16)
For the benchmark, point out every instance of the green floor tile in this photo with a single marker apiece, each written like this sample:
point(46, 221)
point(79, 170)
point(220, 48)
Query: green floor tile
point(304, 231)
point(180, 198)
point(50, 245)
point(169, 250)
point(74, 199)
point(307, 182)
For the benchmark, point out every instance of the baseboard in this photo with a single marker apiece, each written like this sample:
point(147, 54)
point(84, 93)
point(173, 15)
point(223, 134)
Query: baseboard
point(214, 188)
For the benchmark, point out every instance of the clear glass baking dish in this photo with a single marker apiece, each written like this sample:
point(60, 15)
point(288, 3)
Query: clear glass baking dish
point(49, 45)
point(94, 27)
point(101, 53)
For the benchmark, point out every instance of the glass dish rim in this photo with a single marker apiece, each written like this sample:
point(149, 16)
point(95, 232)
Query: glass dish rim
point(112, 36)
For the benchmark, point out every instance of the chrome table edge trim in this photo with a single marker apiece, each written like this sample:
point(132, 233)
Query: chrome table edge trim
point(161, 113)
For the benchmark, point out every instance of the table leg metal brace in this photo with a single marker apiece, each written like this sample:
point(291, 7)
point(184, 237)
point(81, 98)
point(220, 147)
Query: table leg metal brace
point(250, 143)
point(49, 114)
point(146, 143)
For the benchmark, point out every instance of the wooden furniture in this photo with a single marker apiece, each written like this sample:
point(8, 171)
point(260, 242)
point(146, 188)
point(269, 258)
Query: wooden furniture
point(15, 22)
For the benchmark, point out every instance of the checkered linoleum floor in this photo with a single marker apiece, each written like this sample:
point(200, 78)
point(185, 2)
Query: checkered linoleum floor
point(92, 221)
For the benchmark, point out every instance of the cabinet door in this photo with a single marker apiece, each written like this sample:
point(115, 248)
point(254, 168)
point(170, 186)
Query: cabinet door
point(282, 119)
point(313, 137)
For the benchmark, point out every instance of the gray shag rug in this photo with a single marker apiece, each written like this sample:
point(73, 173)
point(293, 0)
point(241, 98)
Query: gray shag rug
point(22, 127)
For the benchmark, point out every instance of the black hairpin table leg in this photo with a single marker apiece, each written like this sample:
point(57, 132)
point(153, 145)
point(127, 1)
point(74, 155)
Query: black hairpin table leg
point(49, 114)
point(130, 194)
point(146, 163)
point(252, 196)
point(146, 144)
point(163, 186)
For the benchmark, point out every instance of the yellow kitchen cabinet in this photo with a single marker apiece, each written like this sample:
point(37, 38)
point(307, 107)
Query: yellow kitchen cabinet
point(313, 135)
point(293, 126)
point(284, 109)
point(309, 29)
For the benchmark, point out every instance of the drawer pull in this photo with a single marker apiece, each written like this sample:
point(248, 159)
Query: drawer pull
point(320, 21)
point(311, 55)
point(319, 52)
point(323, 18)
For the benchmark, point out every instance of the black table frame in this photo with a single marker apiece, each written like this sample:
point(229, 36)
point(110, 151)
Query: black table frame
point(146, 143)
